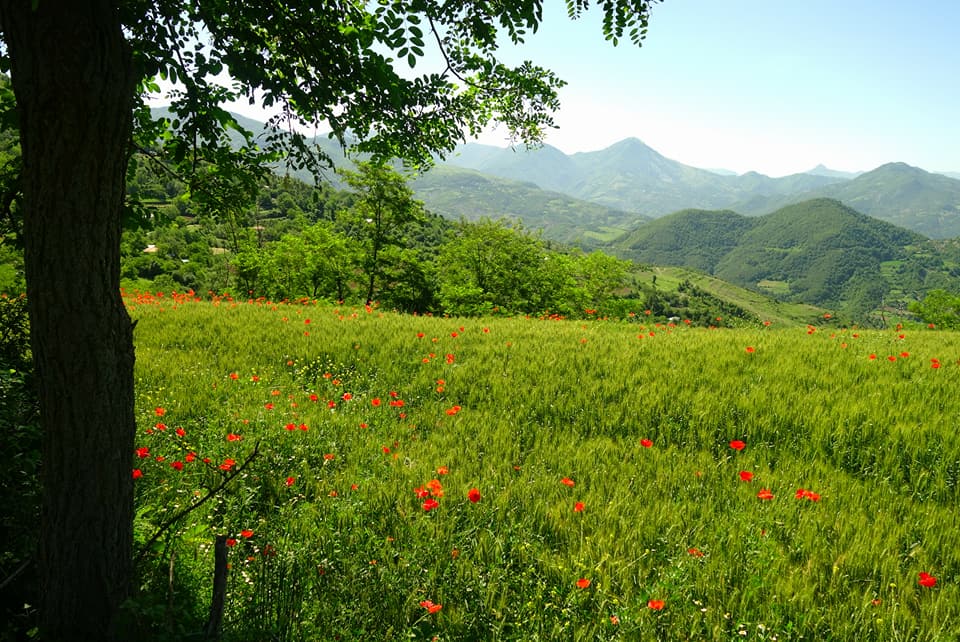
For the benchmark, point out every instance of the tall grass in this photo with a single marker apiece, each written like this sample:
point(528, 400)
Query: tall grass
point(639, 418)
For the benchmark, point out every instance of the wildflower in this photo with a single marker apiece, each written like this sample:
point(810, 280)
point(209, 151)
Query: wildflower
point(160, 426)
point(347, 396)
point(233, 437)
point(420, 491)
point(454, 410)
point(872, 357)
point(247, 533)
point(746, 475)
point(927, 580)
point(268, 406)
point(578, 507)
point(430, 504)
point(191, 456)
point(656, 605)
point(646, 443)
point(329, 457)
point(583, 583)
point(180, 432)
point(473, 495)
point(290, 427)
point(443, 470)
point(807, 494)
point(291, 481)
point(430, 606)
point(143, 452)
point(614, 620)
point(137, 473)
point(750, 350)
point(695, 552)
point(314, 397)
point(227, 464)
point(765, 494)
point(737, 445)
point(375, 402)
point(177, 465)
point(566, 481)
point(234, 376)
point(435, 487)
point(231, 542)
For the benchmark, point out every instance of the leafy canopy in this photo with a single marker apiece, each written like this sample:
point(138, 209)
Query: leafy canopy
point(353, 67)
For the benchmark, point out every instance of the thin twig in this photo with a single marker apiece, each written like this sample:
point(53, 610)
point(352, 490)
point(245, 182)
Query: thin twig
point(189, 509)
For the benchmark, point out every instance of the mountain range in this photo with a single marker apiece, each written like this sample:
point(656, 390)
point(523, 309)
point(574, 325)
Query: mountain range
point(632, 178)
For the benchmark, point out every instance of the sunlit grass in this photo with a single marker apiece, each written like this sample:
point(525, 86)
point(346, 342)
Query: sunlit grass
point(639, 417)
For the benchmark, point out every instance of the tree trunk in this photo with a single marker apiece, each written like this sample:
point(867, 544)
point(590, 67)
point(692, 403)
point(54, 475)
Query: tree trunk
point(73, 77)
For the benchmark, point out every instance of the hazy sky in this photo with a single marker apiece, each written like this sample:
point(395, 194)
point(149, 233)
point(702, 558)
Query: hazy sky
point(775, 86)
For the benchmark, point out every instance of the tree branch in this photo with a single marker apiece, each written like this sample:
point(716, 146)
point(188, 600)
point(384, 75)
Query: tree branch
point(189, 509)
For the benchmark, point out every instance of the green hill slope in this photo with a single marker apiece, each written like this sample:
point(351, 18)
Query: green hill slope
point(458, 193)
point(818, 252)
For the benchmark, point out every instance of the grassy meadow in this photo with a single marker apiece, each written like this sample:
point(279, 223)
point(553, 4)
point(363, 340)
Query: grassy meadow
point(522, 479)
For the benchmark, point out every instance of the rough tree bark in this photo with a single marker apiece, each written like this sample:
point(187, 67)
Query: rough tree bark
point(73, 77)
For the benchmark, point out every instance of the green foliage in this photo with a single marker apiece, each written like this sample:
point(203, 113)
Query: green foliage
point(940, 308)
point(511, 406)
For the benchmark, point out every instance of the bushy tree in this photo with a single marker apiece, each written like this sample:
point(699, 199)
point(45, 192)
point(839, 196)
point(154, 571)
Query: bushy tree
point(80, 70)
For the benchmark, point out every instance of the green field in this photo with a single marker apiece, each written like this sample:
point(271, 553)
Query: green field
point(611, 502)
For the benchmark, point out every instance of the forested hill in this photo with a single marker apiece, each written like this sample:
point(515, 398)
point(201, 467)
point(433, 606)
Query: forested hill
point(819, 251)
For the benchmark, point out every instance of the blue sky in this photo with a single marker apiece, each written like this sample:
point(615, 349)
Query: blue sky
point(765, 85)
point(773, 86)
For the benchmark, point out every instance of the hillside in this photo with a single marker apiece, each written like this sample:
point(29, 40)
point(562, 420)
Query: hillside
point(819, 252)
point(458, 193)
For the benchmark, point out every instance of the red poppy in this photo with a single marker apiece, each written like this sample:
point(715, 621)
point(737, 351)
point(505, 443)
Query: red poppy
point(160, 411)
point(233, 437)
point(695, 552)
point(435, 487)
point(268, 406)
point(160, 426)
point(291, 481)
point(231, 542)
point(247, 533)
point(143, 452)
point(646, 443)
point(872, 357)
point(291, 427)
point(227, 464)
point(737, 445)
point(765, 494)
point(583, 583)
point(807, 494)
point(430, 606)
point(443, 470)
point(430, 504)
point(177, 465)
point(329, 457)
point(420, 491)
point(750, 349)
point(375, 402)
point(473, 495)
point(314, 397)
point(234, 376)
point(191, 456)
point(578, 507)
point(927, 580)
point(347, 396)
point(137, 473)
point(566, 481)
point(180, 432)
point(746, 475)
point(656, 605)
